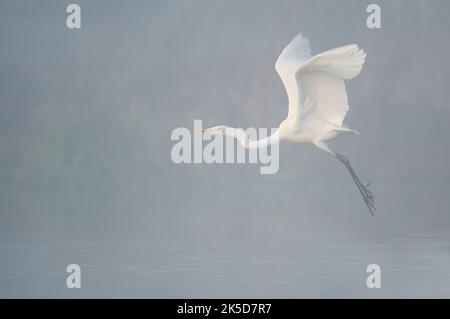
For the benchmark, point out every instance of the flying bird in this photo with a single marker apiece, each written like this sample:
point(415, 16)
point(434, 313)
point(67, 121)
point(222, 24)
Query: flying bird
point(317, 101)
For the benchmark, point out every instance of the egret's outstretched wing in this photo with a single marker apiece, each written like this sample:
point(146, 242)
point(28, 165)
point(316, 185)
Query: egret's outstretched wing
point(289, 61)
point(320, 83)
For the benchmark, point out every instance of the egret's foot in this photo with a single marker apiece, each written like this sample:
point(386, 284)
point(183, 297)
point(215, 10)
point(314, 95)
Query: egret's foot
point(367, 196)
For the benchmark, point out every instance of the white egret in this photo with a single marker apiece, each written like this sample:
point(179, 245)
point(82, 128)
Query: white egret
point(317, 101)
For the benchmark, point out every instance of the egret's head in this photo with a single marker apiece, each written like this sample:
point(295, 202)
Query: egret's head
point(215, 129)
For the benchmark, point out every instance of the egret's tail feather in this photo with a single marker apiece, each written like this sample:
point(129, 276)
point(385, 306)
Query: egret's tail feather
point(346, 129)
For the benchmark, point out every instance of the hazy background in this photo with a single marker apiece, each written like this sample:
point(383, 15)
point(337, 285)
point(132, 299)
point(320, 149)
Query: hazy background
point(86, 175)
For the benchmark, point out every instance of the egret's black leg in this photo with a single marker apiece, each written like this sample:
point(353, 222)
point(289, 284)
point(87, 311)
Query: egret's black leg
point(355, 177)
point(365, 193)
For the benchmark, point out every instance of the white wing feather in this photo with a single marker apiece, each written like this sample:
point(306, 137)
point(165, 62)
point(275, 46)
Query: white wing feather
point(290, 60)
point(315, 86)
point(320, 81)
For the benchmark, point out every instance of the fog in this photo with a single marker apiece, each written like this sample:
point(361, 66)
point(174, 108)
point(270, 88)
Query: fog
point(86, 174)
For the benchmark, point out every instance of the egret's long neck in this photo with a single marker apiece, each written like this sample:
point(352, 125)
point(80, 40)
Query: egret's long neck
point(248, 143)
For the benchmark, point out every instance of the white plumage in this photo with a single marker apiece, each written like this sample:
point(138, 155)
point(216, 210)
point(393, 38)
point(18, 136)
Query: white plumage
point(317, 100)
point(316, 89)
